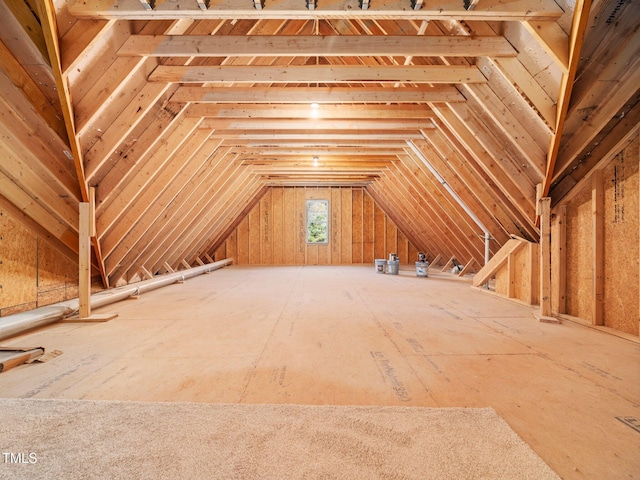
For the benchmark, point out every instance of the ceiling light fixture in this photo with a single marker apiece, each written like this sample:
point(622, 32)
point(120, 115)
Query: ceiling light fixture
point(315, 110)
point(364, 4)
point(312, 4)
point(315, 161)
point(259, 4)
point(417, 4)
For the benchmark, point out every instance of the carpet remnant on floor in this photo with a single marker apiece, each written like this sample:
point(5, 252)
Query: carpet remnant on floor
point(85, 439)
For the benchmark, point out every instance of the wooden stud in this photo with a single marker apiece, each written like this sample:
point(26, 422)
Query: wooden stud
point(511, 274)
point(545, 256)
point(561, 248)
point(533, 287)
point(597, 210)
point(84, 261)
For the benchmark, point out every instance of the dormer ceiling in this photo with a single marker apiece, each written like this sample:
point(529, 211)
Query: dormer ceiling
point(178, 114)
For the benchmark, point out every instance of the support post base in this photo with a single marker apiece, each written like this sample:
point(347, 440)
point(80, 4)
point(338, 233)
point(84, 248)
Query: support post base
point(545, 318)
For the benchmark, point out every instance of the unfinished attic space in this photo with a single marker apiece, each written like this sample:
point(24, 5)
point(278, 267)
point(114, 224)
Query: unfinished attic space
point(347, 239)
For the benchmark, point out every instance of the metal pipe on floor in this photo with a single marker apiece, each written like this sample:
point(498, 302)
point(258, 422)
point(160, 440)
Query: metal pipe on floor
point(17, 323)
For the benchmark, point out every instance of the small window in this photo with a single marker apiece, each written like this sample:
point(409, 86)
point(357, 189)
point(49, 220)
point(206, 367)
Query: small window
point(317, 221)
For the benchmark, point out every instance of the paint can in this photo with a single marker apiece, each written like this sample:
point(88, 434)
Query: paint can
point(422, 269)
point(422, 257)
point(393, 266)
point(380, 265)
point(393, 257)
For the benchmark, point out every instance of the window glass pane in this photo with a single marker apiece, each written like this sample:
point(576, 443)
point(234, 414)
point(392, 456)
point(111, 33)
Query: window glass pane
point(317, 221)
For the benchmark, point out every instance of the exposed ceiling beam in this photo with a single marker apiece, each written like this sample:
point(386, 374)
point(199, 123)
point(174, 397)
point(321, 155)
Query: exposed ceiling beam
point(354, 126)
point(294, 153)
point(328, 136)
point(424, 93)
point(317, 74)
point(580, 19)
point(297, 9)
point(272, 111)
point(314, 45)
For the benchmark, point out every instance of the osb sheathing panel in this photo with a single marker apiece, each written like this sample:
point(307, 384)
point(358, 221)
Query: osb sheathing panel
point(525, 286)
point(580, 255)
point(502, 281)
point(621, 245)
point(32, 273)
point(18, 254)
point(273, 233)
point(621, 284)
point(523, 280)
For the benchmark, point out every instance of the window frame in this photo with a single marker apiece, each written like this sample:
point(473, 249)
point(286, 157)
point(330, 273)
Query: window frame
point(308, 222)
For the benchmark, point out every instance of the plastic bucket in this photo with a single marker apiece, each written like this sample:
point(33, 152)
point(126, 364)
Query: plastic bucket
point(422, 269)
point(380, 265)
point(393, 266)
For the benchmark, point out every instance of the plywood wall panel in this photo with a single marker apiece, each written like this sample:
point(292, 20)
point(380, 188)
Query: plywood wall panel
point(346, 225)
point(300, 225)
point(392, 239)
point(232, 245)
point(32, 273)
point(254, 236)
point(277, 231)
point(221, 252)
point(243, 241)
point(356, 230)
point(266, 229)
point(621, 282)
point(288, 223)
point(579, 256)
point(356, 224)
point(18, 270)
point(367, 229)
point(336, 220)
point(379, 229)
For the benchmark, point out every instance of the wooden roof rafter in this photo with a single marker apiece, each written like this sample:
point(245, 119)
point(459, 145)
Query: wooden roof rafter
point(343, 9)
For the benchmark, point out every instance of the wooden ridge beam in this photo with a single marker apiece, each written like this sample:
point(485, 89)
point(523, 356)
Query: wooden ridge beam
point(317, 74)
point(320, 95)
point(314, 45)
point(342, 9)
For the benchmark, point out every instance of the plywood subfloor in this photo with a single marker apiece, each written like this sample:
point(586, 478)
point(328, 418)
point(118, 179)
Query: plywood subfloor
point(348, 336)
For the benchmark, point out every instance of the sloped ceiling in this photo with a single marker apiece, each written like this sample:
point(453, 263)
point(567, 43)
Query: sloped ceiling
point(178, 114)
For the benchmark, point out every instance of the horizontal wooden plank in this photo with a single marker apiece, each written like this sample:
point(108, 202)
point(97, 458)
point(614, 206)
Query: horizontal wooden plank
point(314, 45)
point(296, 9)
point(275, 110)
point(317, 74)
point(320, 95)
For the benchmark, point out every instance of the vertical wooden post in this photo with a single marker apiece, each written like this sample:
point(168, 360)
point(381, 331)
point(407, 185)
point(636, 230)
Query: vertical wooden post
point(533, 294)
point(597, 210)
point(545, 256)
point(84, 260)
point(511, 273)
point(561, 241)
